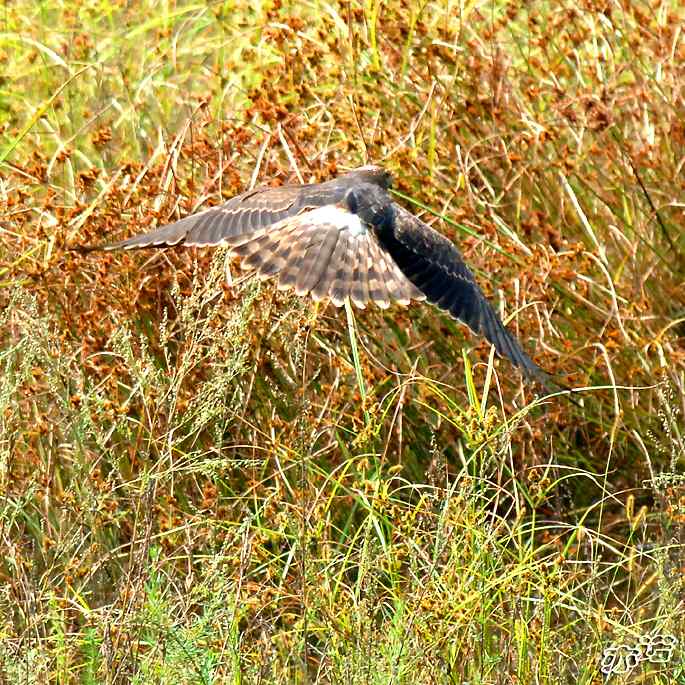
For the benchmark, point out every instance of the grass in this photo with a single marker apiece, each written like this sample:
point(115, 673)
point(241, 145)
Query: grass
point(206, 482)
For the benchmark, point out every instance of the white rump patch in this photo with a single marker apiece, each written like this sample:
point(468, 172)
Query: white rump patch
point(356, 227)
point(333, 215)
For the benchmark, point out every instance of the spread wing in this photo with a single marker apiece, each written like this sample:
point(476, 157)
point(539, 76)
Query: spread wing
point(435, 266)
point(326, 252)
point(253, 210)
point(248, 212)
point(311, 240)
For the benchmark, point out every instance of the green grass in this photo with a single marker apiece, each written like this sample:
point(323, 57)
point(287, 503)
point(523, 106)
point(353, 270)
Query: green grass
point(209, 483)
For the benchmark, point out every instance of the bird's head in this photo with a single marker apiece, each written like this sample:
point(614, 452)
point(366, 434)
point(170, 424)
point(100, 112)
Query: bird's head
point(373, 174)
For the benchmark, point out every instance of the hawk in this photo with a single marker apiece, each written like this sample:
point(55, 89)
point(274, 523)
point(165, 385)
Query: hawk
point(344, 239)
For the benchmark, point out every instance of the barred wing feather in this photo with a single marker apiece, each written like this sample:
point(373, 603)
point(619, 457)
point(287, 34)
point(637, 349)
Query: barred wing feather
point(250, 211)
point(218, 225)
point(325, 252)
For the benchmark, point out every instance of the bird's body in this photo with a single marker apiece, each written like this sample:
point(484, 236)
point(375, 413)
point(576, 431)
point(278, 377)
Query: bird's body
point(344, 238)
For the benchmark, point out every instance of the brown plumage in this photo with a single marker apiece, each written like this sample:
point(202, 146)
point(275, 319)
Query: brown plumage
point(344, 238)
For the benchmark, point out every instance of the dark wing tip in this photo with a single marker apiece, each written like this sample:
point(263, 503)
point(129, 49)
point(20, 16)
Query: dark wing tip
point(506, 343)
point(535, 373)
point(435, 266)
point(166, 236)
point(134, 243)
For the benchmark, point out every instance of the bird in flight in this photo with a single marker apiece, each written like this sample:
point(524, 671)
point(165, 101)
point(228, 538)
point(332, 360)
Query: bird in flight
point(341, 239)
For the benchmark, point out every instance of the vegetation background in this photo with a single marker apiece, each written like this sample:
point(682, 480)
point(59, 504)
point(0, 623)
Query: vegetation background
point(209, 483)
